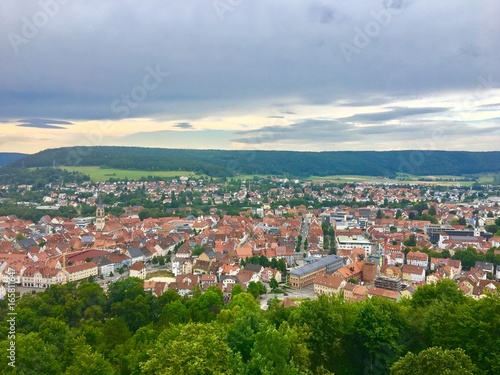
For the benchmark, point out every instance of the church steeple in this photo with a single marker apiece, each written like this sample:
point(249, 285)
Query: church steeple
point(99, 216)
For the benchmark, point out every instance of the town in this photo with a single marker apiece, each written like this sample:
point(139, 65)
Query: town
point(274, 237)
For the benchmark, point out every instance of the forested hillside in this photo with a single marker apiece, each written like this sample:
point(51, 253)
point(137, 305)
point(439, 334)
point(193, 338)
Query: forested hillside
point(299, 164)
point(10, 157)
point(77, 329)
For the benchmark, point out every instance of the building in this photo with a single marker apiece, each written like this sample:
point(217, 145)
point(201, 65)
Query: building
point(413, 273)
point(485, 266)
point(396, 258)
point(81, 271)
point(100, 220)
point(355, 293)
point(138, 269)
point(351, 242)
point(42, 277)
point(328, 284)
point(389, 283)
point(384, 293)
point(303, 276)
point(417, 258)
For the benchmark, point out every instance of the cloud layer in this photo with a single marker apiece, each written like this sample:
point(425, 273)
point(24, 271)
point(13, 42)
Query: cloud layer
point(349, 73)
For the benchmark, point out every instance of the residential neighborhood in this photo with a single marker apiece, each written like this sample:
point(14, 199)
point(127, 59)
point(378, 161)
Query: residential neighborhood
point(410, 234)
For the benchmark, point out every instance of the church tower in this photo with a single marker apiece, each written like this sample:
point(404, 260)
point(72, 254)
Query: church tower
point(99, 217)
point(477, 230)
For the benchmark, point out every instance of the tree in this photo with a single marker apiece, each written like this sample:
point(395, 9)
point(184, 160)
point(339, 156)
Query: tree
point(237, 289)
point(411, 242)
point(432, 210)
point(32, 356)
point(198, 250)
point(444, 290)
point(435, 360)
point(273, 283)
point(88, 362)
point(399, 214)
point(190, 349)
point(380, 214)
point(256, 289)
point(306, 244)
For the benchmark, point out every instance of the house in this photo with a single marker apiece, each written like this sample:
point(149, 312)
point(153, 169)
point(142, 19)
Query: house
point(245, 277)
point(268, 273)
point(157, 288)
point(417, 258)
point(255, 268)
point(105, 265)
point(384, 293)
point(413, 273)
point(181, 266)
point(81, 271)
point(207, 281)
point(44, 277)
point(396, 258)
point(497, 274)
point(456, 265)
point(201, 266)
point(352, 271)
point(328, 284)
point(138, 269)
point(355, 293)
point(392, 271)
point(135, 254)
point(228, 281)
point(207, 256)
point(485, 266)
point(185, 284)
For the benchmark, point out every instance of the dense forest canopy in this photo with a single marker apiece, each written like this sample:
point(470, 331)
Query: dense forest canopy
point(77, 329)
point(231, 162)
point(10, 157)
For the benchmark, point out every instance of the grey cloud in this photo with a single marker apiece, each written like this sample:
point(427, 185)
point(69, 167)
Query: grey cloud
point(394, 113)
point(240, 62)
point(184, 125)
point(319, 132)
point(44, 123)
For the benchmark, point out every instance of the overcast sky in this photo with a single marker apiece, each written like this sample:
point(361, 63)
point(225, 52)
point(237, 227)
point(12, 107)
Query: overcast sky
point(250, 74)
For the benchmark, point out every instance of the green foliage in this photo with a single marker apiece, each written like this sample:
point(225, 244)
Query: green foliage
point(445, 291)
point(435, 361)
point(215, 162)
point(237, 289)
point(273, 284)
point(256, 289)
point(76, 329)
point(196, 349)
point(410, 242)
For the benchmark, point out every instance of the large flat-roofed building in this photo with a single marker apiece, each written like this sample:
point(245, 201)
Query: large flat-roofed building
point(303, 276)
point(351, 242)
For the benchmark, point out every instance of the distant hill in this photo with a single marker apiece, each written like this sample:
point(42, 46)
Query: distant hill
point(291, 163)
point(9, 157)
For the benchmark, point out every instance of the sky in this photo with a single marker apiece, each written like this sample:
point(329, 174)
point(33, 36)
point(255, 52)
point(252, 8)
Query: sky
point(301, 75)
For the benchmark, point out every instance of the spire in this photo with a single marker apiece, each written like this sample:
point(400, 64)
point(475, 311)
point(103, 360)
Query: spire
point(100, 215)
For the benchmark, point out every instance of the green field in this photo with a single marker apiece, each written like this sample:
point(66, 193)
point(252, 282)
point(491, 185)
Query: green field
point(103, 174)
